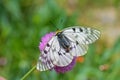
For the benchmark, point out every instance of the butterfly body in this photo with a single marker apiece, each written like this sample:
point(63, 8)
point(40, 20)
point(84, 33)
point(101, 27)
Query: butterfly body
point(66, 44)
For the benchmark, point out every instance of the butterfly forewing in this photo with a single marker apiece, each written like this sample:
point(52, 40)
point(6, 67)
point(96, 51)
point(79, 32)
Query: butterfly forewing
point(82, 35)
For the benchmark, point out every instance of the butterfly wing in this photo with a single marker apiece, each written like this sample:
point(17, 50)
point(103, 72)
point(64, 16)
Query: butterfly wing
point(78, 49)
point(64, 59)
point(80, 37)
point(48, 57)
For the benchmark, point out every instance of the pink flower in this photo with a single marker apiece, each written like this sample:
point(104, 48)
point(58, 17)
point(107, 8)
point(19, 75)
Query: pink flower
point(58, 69)
point(65, 68)
point(45, 40)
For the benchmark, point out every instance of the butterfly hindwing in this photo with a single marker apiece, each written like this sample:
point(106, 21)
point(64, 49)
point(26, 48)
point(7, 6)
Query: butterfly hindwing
point(65, 58)
point(48, 57)
point(77, 49)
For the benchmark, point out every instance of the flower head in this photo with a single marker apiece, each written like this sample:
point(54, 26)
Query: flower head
point(45, 39)
point(65, 68)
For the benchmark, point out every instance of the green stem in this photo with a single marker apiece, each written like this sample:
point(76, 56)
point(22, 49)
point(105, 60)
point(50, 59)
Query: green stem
point(27, 74)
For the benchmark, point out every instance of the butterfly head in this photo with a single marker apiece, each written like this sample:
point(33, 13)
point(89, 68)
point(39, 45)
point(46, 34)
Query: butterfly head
point(58, 31)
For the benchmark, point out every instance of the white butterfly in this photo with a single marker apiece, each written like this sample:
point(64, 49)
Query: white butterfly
point(61, 48)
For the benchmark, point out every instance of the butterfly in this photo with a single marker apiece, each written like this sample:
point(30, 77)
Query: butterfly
point(65, 45)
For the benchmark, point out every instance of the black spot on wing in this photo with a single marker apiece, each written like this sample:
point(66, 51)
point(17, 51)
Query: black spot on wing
point(59, 53)
point(80, 29)
point(73, 29)
point(48, 45)
point(45, 51)
point(71, 48)
point(77, 43)
point(64, 53)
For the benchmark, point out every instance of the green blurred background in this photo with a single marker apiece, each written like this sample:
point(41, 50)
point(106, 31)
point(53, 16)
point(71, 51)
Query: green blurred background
point(24, 22)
